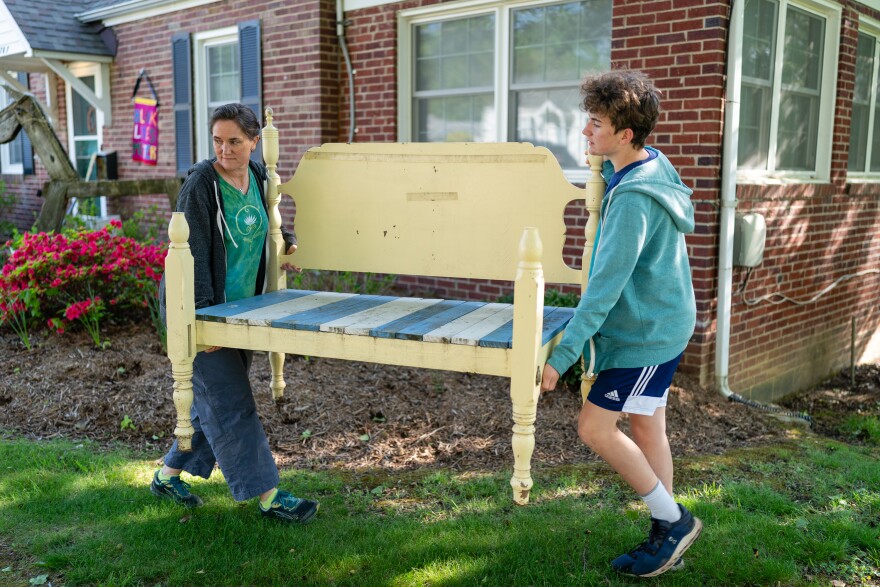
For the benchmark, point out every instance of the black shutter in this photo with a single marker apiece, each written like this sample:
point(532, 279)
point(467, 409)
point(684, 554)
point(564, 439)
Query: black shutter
point(181, 60)
point(249, 64)
point(27, 150)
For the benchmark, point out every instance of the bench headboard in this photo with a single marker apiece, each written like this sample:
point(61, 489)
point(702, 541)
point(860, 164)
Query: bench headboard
point(436, 209)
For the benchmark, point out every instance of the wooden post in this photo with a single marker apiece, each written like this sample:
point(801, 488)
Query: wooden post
point(277, 279)
point(595, 190)
point(525, 376)
point(181, 318)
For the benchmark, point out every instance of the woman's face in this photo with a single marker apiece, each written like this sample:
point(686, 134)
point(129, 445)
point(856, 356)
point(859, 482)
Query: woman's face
point(232, 146)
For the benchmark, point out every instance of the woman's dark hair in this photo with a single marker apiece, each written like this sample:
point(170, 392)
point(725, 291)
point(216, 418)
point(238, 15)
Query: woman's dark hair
point(628, 98)
point(241, 114)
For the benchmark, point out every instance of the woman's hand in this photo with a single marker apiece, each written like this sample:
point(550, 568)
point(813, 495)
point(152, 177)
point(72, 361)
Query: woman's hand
point(288, 266)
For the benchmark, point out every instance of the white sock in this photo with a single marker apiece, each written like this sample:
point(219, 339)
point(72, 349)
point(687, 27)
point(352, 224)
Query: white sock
point(661, 504)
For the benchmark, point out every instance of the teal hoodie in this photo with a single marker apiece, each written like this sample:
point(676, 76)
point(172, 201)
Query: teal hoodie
point(639, 306)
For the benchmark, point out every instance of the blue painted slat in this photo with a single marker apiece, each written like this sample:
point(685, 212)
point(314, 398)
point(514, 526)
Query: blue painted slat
point(312, 319)
point(391, 329)
point(220, 312)
point(415, 330)
point(555, 320)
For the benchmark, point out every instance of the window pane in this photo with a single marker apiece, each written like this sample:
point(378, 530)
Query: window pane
point(798, 124)
point(804, 46)
point(455, 55)
point(759, 54)
point(553, 47)
point(875, 148)
point(754, 127)
point(859, 129)
point(84, 150)
point(456, 119)
point(11, 151)
point(552, 119)
point(799, 101)
point(759, 34)
point(559, 43)
point(84, 114)
point(223, 74)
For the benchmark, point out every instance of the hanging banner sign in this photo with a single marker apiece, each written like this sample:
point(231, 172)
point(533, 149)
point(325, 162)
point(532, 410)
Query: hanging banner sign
point(145, 139)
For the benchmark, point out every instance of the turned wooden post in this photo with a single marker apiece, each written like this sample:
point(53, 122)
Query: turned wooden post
point(181, 323)
point(525, 376)
point(277, 279)
point(595, 190)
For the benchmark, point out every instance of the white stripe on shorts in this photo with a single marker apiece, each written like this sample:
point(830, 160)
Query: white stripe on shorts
point(643, 380)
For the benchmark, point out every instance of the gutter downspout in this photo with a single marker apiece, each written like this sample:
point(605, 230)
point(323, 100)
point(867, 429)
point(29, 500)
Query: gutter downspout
point(340, 35)
point(729, 164)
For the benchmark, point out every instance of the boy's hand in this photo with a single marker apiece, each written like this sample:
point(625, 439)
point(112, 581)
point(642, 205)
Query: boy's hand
point(288, 266)
point(549, 378)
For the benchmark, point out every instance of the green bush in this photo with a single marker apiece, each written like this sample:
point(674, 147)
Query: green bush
point(342, 282)
point(77, 277)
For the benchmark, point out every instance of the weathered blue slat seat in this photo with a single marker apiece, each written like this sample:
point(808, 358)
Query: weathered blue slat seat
point(428, 320)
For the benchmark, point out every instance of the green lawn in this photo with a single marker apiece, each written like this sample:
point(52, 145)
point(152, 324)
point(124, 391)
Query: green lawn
point(802, 513)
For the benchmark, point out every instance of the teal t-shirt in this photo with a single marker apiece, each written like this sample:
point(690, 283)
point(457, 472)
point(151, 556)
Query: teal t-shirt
point(248, 225)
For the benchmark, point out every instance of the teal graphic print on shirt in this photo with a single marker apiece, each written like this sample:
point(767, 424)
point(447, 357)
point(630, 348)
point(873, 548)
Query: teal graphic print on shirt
point(247, 225)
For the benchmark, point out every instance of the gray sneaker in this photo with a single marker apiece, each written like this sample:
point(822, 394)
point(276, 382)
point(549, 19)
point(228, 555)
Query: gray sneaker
point(175, 490)
point(288, 508)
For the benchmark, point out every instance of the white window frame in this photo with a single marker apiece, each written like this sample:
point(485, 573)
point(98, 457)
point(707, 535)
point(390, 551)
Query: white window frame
point(870, 27)
point(408, 19)
point(83, 69)
point(831, 12)
point(6, 167)
point(202, 41)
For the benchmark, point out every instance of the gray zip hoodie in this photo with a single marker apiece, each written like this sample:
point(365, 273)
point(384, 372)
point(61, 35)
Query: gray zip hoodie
point(202, 205)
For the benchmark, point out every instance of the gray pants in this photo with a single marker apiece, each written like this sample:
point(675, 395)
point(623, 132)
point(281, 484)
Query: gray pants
point(227, 428)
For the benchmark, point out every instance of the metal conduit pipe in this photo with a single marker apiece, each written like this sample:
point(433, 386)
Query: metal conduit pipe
point(340, 35)
point(729, 164)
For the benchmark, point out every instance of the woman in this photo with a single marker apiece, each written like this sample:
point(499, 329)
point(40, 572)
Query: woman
point(224, 202)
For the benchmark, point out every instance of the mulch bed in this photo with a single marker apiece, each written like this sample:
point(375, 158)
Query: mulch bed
point(413, 417)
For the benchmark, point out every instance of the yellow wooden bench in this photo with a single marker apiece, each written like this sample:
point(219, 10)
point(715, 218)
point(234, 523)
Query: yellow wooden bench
point(456, 210)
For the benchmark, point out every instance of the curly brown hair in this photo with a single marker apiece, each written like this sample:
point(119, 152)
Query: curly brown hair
point(628, 98)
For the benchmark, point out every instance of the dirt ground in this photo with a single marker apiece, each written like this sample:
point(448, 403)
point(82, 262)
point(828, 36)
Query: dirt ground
point(360, 415)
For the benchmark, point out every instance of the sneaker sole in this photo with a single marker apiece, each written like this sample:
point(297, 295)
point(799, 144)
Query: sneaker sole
point(292, 520)
point(683, 545)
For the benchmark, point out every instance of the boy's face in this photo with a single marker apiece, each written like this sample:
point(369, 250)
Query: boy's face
point(602, 138)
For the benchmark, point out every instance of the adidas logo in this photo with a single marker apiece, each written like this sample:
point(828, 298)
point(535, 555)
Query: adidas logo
point(612, 395)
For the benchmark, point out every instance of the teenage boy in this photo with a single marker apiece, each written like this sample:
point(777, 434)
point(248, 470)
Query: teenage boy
point(638, 312)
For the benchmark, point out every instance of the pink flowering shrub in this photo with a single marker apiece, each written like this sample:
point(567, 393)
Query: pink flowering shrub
point(78, 277)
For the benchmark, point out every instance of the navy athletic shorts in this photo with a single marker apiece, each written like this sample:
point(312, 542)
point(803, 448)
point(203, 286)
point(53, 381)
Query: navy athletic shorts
point(637, 390)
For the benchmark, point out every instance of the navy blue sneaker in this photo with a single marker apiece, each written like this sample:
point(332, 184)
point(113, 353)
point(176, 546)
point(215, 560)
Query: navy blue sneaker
point(664, 547)
point(288, 508)
point(175, 490)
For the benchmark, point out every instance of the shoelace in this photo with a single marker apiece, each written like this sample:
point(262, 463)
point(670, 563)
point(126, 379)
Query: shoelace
point(655, 538)
point(178, 484)
point(286, 500)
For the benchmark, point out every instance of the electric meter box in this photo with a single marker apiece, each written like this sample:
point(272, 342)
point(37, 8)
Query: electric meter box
point(749, 236)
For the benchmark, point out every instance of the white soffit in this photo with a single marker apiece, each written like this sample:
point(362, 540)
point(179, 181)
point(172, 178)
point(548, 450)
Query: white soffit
point(135, 10)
